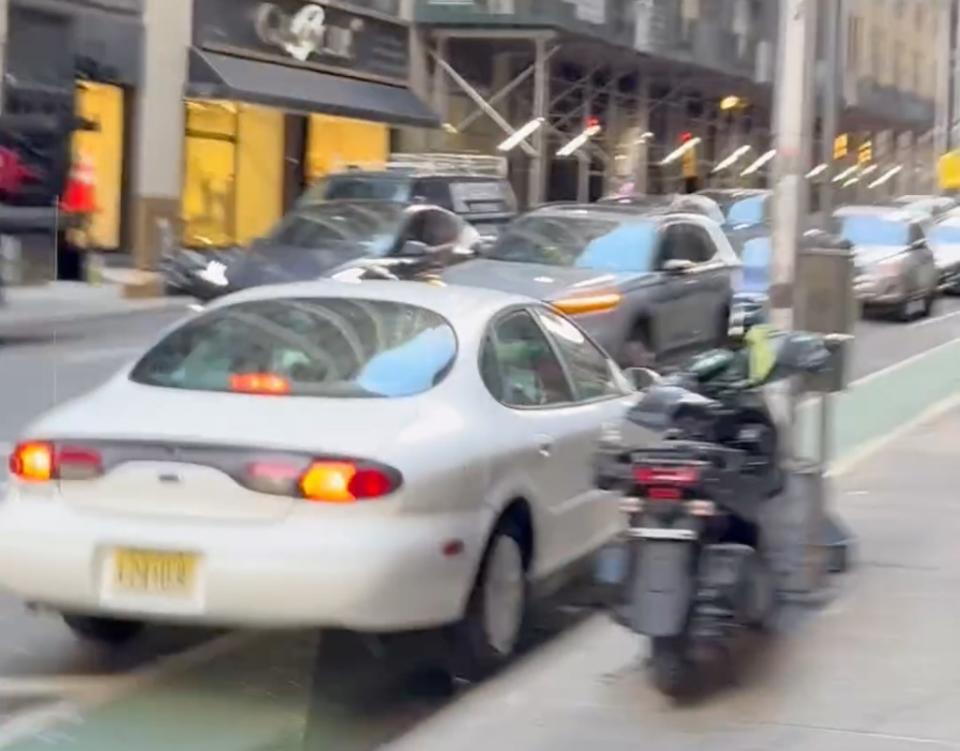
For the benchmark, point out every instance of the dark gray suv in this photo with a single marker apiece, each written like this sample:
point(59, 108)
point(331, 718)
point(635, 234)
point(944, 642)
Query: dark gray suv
point(648, 284)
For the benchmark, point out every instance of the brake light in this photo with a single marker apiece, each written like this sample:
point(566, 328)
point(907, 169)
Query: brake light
point(260, 383)
point(346, 482)
point(42, 461)
point(682, 477)
point(33, 461)
point(77, 463)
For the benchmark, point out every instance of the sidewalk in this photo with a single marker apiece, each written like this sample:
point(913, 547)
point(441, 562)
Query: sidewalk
point(32, 310)
point(877, 669)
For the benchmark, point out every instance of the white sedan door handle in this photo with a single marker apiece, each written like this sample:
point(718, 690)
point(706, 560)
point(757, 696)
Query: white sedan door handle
point(544, 447)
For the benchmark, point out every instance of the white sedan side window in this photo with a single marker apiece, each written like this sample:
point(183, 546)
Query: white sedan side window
point(519, 366)
point(593, 374)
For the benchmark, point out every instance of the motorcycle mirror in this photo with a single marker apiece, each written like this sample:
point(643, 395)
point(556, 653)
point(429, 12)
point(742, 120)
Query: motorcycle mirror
point(643, 378)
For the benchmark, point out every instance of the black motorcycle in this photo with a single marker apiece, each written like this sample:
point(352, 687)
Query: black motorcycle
point(698, 563)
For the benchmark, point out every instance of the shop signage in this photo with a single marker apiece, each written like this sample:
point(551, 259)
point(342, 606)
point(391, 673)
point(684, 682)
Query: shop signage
point(306, 32)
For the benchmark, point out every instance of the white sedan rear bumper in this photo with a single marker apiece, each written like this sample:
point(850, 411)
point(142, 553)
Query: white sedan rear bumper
point(365, 573)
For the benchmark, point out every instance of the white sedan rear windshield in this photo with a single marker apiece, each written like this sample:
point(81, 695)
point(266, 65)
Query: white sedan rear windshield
point(329, 347)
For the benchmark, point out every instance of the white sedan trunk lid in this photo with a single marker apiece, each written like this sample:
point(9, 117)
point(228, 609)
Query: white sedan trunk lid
point(127, 412)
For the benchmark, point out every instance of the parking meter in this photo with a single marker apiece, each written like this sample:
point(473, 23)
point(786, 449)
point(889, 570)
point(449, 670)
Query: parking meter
point(825, 302)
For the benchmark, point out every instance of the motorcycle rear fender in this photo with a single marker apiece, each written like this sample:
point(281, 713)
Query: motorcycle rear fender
point(663, 587)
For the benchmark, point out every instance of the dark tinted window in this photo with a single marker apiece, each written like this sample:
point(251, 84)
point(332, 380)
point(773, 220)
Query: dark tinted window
point(686, 242)
point(359, 187)
point(435, 192)
point(330, 347)
point(374, 226)
point(584, 241)
point(519, 366)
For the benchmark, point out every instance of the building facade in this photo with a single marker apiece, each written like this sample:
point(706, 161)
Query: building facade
point(210, 116)
point(684, 70)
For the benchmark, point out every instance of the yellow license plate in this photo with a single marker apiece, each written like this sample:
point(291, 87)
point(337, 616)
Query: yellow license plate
point(154, 572)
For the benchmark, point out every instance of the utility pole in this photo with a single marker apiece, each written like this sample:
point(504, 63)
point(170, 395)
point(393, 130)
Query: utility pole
point(793, 121)
point(832, 24)
point(793, 130)
point(941, 128)
point(954, 137)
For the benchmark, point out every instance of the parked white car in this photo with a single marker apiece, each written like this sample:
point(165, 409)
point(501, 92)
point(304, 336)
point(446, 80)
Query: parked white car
point(378, 456)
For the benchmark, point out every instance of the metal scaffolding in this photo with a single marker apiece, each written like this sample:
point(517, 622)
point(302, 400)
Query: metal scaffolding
point(644, 104)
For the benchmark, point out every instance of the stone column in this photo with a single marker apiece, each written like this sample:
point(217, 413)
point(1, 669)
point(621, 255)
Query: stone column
point(158, 132)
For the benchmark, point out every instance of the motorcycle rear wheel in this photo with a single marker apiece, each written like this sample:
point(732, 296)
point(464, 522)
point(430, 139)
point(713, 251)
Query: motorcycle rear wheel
point(674, 672)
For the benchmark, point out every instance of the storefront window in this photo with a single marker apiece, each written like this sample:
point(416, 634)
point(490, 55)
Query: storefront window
point(232, 189)
point(234, 166)
point(100, 148)
point(336, 143)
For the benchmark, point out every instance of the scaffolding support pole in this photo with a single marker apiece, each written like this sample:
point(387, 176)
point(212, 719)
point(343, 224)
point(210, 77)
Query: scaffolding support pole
point(541, 95)
point(478, 99)
point(941, 130)
point(495, 99)
point(832, 23)
point(584, 161)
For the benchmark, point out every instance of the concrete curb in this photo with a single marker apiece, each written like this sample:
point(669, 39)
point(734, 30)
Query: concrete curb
point(13, 324)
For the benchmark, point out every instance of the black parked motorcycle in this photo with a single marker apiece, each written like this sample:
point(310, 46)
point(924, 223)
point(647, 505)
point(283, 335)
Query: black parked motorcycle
point(697, 553)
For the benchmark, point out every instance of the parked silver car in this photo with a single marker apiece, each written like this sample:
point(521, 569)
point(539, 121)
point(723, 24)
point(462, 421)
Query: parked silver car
point(896, 271)
point(648, 284)
point(944, 241)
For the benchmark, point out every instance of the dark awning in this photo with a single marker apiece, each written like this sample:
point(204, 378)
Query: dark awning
point(216, 76)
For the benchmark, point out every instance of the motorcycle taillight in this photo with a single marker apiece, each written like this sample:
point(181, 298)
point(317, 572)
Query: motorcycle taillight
point(664, 494)
point(667, 477)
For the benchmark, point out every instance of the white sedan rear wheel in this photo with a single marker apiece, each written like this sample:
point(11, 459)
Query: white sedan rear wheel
point(493, 624)
point(504, 588)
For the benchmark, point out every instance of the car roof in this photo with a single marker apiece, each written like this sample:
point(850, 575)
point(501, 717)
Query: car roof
point(402, 175)
point(894, 213)
point(616, 211)
point(453, 302)
point(734, 192)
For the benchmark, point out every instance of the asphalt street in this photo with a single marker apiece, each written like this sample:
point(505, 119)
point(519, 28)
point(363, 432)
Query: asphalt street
point(41, 664)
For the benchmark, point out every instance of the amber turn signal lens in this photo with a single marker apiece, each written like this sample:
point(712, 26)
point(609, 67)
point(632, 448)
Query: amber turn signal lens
point(33, 461)
point(329, 482)
point(346, 482)
point(574, 306)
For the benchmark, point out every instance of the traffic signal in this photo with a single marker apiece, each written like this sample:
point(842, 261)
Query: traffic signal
point(841, 146)
point(685, 136)
point(865, 153)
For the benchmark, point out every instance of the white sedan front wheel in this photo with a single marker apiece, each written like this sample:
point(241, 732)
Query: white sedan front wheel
point(493, 624)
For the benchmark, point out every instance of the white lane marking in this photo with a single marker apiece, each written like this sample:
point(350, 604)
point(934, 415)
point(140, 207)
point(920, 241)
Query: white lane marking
point(871, 448)
point(73, 356)
point(902, 363)
point(22, 725)
point(110, 353)
point(32, 722)
point(57, 686)
point(935, 319)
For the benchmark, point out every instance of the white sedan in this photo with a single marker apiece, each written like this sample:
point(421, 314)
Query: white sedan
point(379, 456)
